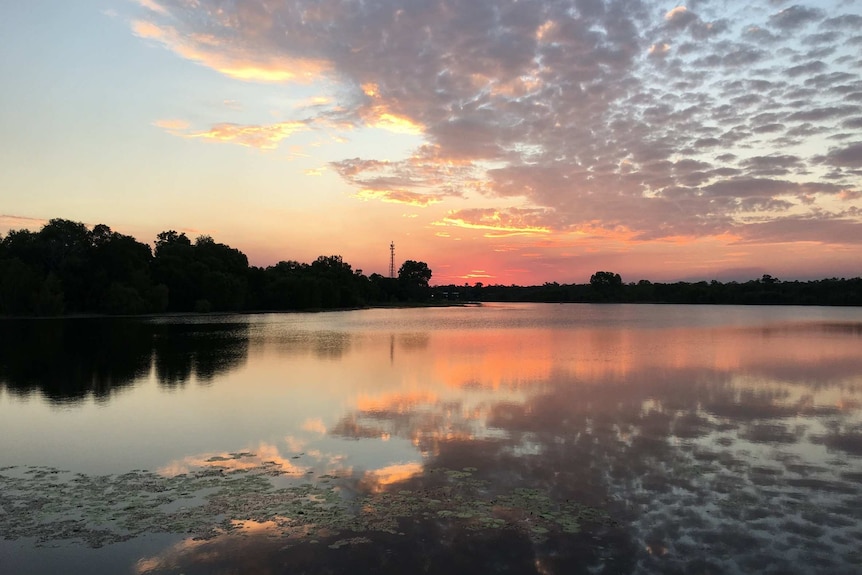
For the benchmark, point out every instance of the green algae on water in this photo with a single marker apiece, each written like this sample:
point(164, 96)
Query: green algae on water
point(52, 505)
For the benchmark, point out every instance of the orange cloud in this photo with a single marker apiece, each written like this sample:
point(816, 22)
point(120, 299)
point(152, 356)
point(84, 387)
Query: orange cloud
point(398, 197)
point(659, 49)
point(379, 115)
point(397, 402)
point(144, 29)
point(380, 478)
point(264, 137)
point(512, 222)
point(477, 274)
point(315, 425)
point(676, 12)
point(397, 124)
point(209, 51)
point(153, 6)
point(265, 454)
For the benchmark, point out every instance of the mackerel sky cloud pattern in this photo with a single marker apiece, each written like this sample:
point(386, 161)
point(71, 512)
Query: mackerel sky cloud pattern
point(662, 120)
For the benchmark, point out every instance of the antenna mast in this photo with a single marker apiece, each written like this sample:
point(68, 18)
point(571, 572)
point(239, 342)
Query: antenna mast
point(392, 259)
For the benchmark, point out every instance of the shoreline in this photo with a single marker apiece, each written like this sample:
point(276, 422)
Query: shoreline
point(182, 314)
point(189, 314)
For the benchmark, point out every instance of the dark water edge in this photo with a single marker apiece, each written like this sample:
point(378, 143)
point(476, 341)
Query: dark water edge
point(22, 557)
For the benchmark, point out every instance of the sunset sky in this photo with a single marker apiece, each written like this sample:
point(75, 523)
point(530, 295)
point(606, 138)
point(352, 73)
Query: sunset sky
point(501, 141)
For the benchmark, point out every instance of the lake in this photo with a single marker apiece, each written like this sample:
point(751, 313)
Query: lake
point(502, 438)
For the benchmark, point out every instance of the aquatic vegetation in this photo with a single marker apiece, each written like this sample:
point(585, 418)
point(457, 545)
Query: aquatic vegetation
point(52, 505)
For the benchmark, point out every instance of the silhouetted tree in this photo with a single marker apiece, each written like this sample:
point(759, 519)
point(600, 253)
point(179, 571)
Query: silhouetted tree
point(337, 284)
point(173, 267)
point(121, 277)
point(385, 289)
point(603, 279)
point(413, 278)
point(221, 275)
point(607, 285)
point(64, 267)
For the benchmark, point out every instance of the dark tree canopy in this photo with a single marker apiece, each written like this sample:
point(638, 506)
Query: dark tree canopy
point(415, 272)
point(66, 268)
point(413, 278)
point(603, 279)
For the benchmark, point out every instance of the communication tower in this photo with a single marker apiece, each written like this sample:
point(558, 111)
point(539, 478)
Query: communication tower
point(392, 259)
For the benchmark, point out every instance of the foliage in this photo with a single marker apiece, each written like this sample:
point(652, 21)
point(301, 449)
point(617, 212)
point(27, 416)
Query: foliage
point(67, 268)
point(609, 287)
point(413, 278)
point(605, 279)
point(64, 267)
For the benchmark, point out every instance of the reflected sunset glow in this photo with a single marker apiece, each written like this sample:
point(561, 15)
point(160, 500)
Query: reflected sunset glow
point(624, 438)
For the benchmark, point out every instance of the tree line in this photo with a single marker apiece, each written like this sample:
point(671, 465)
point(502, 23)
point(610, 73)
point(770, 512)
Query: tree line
point(67, 268)
point(608, 287)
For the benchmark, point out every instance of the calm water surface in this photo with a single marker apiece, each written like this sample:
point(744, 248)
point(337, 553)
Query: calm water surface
point(523, 438)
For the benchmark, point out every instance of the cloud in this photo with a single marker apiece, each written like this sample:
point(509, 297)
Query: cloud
point(152, 6)
point(826, 230)
point(262, 137)
point(639, 119)
point(512, 221)
point(265, 454)
point(217, 53)
point(398, 197)
point(659, 50)
point(13, 222)
point(795, 17)
point(172, 126)
point(433, 176)
point(679, 17)
point(850, 157)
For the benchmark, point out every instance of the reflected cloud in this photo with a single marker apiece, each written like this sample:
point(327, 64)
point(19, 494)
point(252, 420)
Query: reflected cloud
point(264, 456)
point(698, 443)
point(315, 425)
point(701, 442)
point(379, 479)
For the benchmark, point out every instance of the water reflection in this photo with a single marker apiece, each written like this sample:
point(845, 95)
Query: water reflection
point(618, 448)
point(70, 360)
point(732, 459)
point(183, 350)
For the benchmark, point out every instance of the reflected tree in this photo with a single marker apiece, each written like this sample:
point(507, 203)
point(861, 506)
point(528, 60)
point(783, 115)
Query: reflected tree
point(70, 360)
